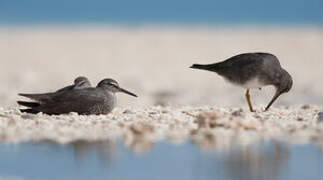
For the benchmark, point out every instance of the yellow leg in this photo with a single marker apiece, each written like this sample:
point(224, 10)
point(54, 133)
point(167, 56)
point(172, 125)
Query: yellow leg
point(248, 100)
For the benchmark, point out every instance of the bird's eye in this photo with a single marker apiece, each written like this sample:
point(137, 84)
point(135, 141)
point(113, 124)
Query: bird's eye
point(113, 84)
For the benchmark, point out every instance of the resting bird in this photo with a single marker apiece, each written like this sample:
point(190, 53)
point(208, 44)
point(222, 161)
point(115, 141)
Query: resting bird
point(252, 70)
point(79, 83)
point(93, 100)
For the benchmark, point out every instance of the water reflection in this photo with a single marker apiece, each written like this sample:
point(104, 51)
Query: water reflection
point(138, 137)
point(105, 150)
point(254, 163)
point(162, 160)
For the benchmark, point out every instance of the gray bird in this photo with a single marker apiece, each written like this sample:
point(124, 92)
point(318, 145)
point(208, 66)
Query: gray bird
point(93, 100)
point(253, 70)
point(79, 83)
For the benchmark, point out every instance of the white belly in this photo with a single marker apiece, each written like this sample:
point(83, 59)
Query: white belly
point(254, 83)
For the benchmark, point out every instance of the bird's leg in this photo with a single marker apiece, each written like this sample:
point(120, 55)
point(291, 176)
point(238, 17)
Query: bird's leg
point(248, 100)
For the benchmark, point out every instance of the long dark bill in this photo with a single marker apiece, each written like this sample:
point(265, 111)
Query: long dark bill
point(273, 100)
point(127, 92)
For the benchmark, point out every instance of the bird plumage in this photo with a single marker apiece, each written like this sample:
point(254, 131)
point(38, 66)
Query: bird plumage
point(252, 70)
point(242, 68)
point(91, 100)
point(79, 83)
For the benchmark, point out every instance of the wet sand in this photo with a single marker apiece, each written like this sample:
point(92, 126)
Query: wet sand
point(175, 102)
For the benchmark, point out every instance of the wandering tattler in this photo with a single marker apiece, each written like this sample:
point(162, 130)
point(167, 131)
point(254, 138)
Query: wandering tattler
point(79, 83)
point(93, 100)
point(253, 70)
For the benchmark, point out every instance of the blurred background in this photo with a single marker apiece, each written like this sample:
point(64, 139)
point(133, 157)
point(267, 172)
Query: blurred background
point(147, 46)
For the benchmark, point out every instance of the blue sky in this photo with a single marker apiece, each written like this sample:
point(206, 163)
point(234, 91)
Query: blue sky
point(162, 11)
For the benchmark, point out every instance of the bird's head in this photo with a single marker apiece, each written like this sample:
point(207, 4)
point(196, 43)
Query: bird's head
point(286, 83)
point(113, 86)
point(81, 80)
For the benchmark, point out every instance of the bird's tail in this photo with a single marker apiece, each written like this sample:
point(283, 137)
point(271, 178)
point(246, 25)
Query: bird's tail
point(208, 67)
point(38, 97)
point(28, 104)
point(32, 111)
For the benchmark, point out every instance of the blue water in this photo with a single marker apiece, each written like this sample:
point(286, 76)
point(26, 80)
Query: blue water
point(82, 160)
point(162, 11)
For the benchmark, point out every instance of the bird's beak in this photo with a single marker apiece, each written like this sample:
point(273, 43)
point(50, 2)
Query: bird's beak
point(273, 99)
point(127, 92)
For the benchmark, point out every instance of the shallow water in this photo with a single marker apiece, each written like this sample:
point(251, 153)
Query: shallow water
point(109, 160)
point(145, 11)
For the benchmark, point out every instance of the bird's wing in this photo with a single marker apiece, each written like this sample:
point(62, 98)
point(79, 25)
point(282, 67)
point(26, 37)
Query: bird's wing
point(85, 84)
point(77, 100)
point(75, 95)
point(243, 60)
point(238, 61)
point(82, 85)
point(70, 87)
point(45, 97)
point(28, 104)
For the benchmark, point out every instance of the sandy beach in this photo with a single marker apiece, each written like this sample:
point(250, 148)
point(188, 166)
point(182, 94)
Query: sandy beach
point(211, 128)
point(175, 102)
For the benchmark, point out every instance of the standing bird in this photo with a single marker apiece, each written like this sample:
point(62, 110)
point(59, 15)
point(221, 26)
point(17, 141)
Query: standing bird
point(252, 70)
point(79, 83)
point(93, 100)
